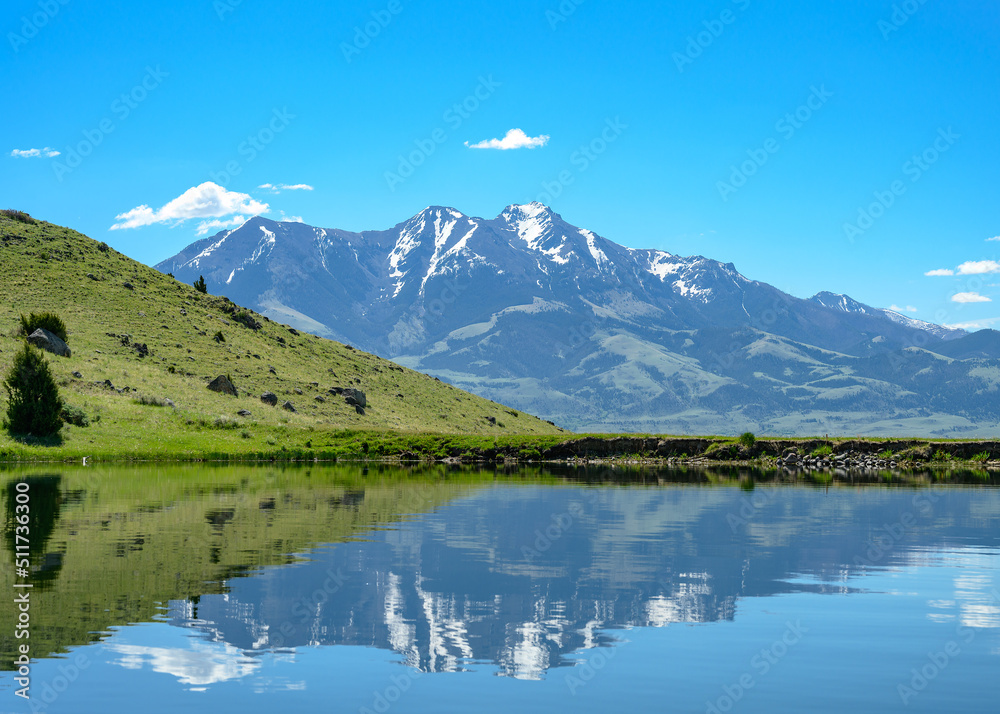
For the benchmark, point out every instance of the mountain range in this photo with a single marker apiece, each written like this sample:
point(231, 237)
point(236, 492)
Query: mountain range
point(531, 311)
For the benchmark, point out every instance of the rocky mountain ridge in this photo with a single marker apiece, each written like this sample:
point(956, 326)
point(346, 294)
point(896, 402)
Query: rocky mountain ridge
point(530, 310)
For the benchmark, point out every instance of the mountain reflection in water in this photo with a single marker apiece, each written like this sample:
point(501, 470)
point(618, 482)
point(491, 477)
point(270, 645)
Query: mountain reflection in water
point(524, 577)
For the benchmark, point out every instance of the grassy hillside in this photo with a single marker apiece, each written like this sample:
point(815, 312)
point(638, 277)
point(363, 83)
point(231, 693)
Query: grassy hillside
point(116, 309)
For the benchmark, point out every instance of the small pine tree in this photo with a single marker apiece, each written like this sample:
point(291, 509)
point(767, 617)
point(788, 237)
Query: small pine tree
point(200, 285)
point(34, 404)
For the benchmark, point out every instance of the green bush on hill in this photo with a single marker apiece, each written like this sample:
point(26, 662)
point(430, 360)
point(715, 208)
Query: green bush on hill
point(45, 320)
point(34, 405)
point(74, 415)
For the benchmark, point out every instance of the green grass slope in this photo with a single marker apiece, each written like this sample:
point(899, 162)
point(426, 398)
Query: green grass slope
point(44, 267)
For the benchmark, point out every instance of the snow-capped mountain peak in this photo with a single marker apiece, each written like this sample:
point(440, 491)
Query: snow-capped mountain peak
point(846, 303)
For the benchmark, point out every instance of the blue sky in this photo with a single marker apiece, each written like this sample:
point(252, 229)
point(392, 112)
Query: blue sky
point(845, 145)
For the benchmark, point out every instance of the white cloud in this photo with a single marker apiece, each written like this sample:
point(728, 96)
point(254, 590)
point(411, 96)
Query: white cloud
point(209, 200)
point(969, 297)
point(939, 272)
point(278, 188)
point(34, 153)
point(207, 226)
point(897, 308)
point(291, 219)
point(994, 238)
point(204, 663)
point(979, 267)
point(515, 139)
point(976, 324)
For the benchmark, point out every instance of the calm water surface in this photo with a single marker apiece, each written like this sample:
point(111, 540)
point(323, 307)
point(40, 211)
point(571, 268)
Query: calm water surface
point(341, 589)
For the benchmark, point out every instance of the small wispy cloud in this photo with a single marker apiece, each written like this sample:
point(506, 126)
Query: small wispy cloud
point(515, 139)
point(940, 272)
point(997, 238)
point(969, 298)
point(290, 219)
point(976, 324)
point(205, 227)
point(278, 188)
point(897, 308)
point(209, 200)
point(979, 267)
point(47, 152)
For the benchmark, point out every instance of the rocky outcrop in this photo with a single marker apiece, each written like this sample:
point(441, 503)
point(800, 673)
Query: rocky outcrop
point(43, 339)
point(222, 385)
point(355, 397)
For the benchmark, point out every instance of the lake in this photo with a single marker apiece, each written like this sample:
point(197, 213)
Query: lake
point(346, 588)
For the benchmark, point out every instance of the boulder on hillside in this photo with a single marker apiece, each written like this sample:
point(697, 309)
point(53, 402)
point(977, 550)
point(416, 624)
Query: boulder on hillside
point(222, 385)
point(355, 397)
point(43, 339)
point(269, 398)
point(289, 407)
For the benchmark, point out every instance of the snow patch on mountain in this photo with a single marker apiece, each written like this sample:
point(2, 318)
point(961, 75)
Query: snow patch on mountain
point(533, 223)
point(663, 264)
point(599, 256)
point(686, 290)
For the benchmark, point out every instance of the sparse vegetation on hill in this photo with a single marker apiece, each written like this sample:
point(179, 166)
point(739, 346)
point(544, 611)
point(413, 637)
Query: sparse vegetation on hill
point(140, 337)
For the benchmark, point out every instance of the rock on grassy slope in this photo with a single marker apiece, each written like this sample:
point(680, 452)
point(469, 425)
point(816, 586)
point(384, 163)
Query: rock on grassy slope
point(140, 338)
